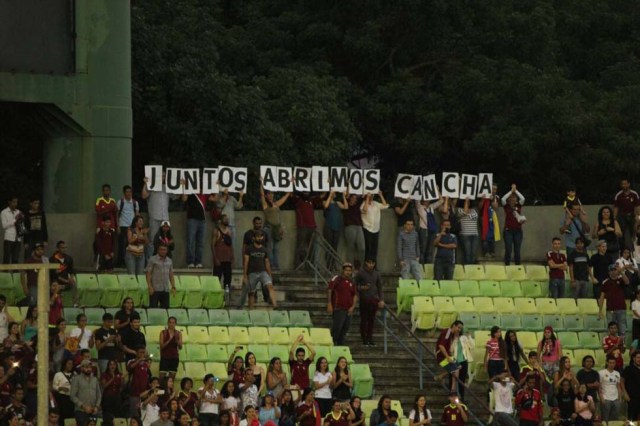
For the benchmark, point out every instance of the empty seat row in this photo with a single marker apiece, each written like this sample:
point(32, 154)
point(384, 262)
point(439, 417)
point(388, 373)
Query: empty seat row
point(494, 272)
point(196, 316)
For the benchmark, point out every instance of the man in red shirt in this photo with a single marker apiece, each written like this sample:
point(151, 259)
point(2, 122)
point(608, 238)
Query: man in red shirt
point(613, 289)
point(455, 413)
point(342, 298)
point(557, 265)
point(138, 368)
point(105, 244)
point(626, 205)
point(533, 369)
point(298, 364)
point(106, 206)
point(613, 345)
point(529, 403)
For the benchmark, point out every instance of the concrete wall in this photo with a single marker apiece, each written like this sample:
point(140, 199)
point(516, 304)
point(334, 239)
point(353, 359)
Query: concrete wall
point(77, 230)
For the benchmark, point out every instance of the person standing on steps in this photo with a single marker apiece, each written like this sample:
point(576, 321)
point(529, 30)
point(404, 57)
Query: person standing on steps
point(371, 298)
point(222, 251)
point(256, 268)
point(341, 303)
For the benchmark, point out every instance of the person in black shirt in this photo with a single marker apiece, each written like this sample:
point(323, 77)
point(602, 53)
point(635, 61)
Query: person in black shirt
point(123, 316)
point(107, 341)
point(256, 269)
point(579, 270)
point(247, 240)
point(600, 263)
point(631, 387)
point(589, 377)
point(132, 338)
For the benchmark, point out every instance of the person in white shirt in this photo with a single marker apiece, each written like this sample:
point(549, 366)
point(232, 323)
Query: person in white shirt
point(503, 386)
point(150, 409)
point(371, 224)
point(250, 416)
point(322, 383)
point(635, 310)
point(420, 415)
point(610, 391)
point(82, 333)
point(5, 318)
point(12, 219)
point(210, 400)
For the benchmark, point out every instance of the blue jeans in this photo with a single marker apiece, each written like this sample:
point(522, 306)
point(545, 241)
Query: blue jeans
point(135, 264)
point(488, 247)
point(512, 241)
point(620, 317)
point(469, 246)
point(443, 269)
point(272, 248)
point(195, 241)
point(411, 269)
point(556, 288)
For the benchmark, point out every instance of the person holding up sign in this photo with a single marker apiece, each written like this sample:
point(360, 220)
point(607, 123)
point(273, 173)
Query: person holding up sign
point(353, 235)
point(371, 224)
point(158, 208)
point(513, 220)
point(273, 223)
point(228, 204)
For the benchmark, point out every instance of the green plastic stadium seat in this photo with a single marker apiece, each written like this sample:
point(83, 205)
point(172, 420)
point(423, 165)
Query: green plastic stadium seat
point(198, 334)
point(219, 317)
point(516, 272)
point(213, 292)
point(537, 273)
point(579, 354)
point(157, 316)
point(428, 271)
point(511, 289)
point(280, 351)
point(495, 272)
point(533, 289)
point(279, 336)
point(464, 304)
point(198, 353)
point(89, 293)
point(194, 369)
point(363, 380)
point(532, 322)
point(300, 319)
point(473, 272)
point(111, 290)
point(504, 305)
point(239, 318)
point(260, 318)
point(589, 340)
point(219, 370)
point(198, 316)
point(528, 340)
point(219, 334)
point(547, 306)
point(555, 321)
point(481, 336)
point(593, 323)
point(152, 333)
point(94, 315)
point(216, 353)
point(525, 305)
point(181, 315)
point(489, 320)
point(569, 339)
point(567, 306)
point(238, 335)
point(403, 282)
point(193, 292)
point(261, 352)
point(71, 315)
point(446, 311)
point(429, 288)
point(588, 306)
point(470, 288)
point(279, 319)
point(321, 336)
point(423, 313)
point(573, 323)
point(259, 335)
point(484, 305)
point(511, 322)
point(338, 351)
point(470, 320)
point(130, 288)
point(176, 298)
point(18, 316)
point(144, 319)
point(450, 288)
point(294, 332)
point(490, 288)
point(322, 351)
point(406, 291)
point(459, 273)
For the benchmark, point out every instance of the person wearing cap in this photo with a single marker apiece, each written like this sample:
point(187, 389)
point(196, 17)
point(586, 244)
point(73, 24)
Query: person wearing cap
point(341, 303)
point(600, 262)
point(529, 403)
point(85, 393)
point(164, 236)
point(503, 386)
point(369, 283)
point(455, 413)
point(29, 278)
point(573, 225)
point(613, 291)
point(256, 269)
point(160, 278)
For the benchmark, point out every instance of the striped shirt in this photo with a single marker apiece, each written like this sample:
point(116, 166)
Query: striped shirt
point(408, 245)
point(468, 222)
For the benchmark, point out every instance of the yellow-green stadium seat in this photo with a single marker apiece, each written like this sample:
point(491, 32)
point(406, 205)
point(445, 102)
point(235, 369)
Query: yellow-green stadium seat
point(239, 335)
point(154, 350)
point(470, 288)
point(532, 322)
point(239, 318)
point(504, 305)
point(573, 323)
point(70, 314)
point(489, 288)
point(511, 289)
point(89, 292)
point(131, 288)
point(473, 272)
point(120, 422)
point(181, 315)
point(280, 351)
point(259, 335)
point(367, 406)
point(511, 322)
point(198, 316)
point(144, 320)
point(484, 305)
point(428, 271)
point(547, 305)
point(534, 289)
point(7, 287)
point(152, 333)
point(458, 272)
point(525, 305)
point(515, 272)
point(464, 304)
point(17, 315)
point(579, 354)
point(94, 315)
point(481, 337)
point(593, 323)
point(554, 320)
point(537, 273)
point(429, 288)
point(588, 306)
point(193, 293)
point(476, 368)
point(406, 291)
point(528, 340)
point(471, 320)
point(260, 318)
point(111, 290)
point(569, 339)
point(212, 291)
point(589, 340)
point(154, 369)
point(495, 272)
point(242, 352)
point(279, 319)
point(489, 320)
point(186, 337)
point(450, 288)
point(446, 311)
point(294, 332)
point(569, 354)
point(423, 313)
point(157, 316)
point(198, 334)
point(567, 306)
point(322, 351)
point(261, 352)
point(219, 317)
point(197, 353)
point(338, 351)
point(300, 319)
point(219, 334)
point(279, 336)
point(194, 369)
point(177, 297)
point(217, 352)
point(321, 336)
point(363, 380)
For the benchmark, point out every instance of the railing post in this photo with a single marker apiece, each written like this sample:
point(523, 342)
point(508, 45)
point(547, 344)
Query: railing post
point(384, 319)
point(43, 346)
point(420, 361)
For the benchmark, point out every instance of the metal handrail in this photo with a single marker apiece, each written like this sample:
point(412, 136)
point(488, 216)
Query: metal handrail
point(321, 270)
point(422, 349)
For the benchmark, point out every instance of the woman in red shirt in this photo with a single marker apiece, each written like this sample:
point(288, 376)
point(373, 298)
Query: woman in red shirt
point(56, 310)
point(111, 383)
point(170, 345)
point(187, 399)
point(308, 412)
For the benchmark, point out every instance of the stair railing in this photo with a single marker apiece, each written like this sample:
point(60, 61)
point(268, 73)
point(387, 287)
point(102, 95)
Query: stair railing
point(323, 267)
